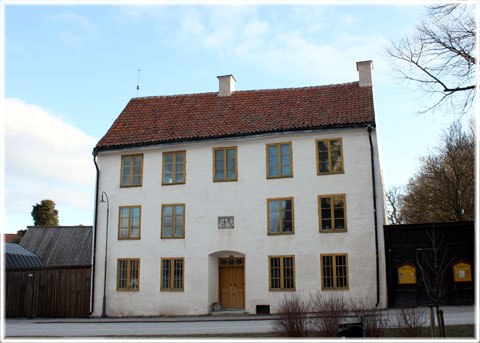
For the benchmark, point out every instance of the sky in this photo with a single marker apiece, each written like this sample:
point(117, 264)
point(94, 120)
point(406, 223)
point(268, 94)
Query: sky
point(70, 69)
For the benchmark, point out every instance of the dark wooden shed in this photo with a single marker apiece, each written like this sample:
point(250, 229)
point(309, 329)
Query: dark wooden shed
point(60, 286)
point(407, 246)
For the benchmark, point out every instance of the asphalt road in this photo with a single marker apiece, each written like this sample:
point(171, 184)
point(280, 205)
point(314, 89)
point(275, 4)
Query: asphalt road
point(164, 326)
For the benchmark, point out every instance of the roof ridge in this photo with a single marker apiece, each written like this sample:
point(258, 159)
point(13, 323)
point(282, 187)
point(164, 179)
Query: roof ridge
point(246, 90)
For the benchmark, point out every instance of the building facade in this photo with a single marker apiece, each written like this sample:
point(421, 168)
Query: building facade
point(239, 198)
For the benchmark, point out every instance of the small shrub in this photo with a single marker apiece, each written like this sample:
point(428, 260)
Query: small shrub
point(374, 320)
point(412, 323)
point(329, 311)
point(292, 317)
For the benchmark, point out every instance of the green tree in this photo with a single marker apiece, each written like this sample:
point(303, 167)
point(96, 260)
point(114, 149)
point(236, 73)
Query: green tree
point(45, 213)
point(439, 57)
point(443, 189)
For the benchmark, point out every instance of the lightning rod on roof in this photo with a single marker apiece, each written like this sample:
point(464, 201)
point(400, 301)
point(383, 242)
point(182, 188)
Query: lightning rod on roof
point(138, 82)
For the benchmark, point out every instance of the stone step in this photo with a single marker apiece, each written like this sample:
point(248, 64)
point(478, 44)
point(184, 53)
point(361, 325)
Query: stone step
point(229, 312)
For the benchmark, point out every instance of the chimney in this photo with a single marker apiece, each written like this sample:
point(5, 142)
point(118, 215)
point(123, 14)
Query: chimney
point(365, 73)
point(226, 85)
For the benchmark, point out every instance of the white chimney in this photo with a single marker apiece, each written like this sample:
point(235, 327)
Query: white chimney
point(365, 73)
point(226, 85)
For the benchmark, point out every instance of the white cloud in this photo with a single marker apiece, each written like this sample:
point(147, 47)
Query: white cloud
point(45, 158)
point(77, 28)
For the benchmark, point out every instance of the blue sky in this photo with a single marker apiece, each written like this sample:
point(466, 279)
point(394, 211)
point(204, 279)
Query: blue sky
point(71, 69)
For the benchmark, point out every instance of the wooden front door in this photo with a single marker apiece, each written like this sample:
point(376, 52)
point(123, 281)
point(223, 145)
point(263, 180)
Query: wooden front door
point(232, 283)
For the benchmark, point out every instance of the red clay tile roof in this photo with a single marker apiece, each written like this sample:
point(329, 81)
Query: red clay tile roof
point(163, 119)
point(9, 237)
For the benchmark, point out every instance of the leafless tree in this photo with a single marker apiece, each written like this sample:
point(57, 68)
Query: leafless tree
point(394, 204)
point(440, 58)
point(443, 188)
point(433, 262)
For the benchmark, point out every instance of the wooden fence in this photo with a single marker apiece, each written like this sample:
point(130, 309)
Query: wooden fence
point(52, 292)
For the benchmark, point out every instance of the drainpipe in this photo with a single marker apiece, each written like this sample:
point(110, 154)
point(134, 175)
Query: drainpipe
point(92, 297)
point(374, 191)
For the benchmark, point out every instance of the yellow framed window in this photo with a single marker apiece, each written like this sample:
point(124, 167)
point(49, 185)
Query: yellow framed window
point(225, 164)
point(279, 160)
point(129, 222)
point(332, 213)
point(280, 216)
point(128, 274)
point(172, 274)
point(329, 156)
point(174, 167)
point(334, 271)
point(282, 273)
point(173, 221)
point(131, 171)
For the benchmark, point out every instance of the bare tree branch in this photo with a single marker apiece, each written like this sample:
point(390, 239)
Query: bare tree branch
point(440, 57)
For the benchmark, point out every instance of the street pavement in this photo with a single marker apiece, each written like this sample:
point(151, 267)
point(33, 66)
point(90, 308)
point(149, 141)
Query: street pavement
point(180, 325)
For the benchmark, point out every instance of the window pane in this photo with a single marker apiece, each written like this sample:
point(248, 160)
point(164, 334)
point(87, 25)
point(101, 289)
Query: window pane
point(275, 273)
point(168, 158)
point(325, 203)
point(326, 224)
point(287, 226)
point(327, 263)
point(219, 165)
point(287, 205)
point(135, 212)
point(231, 154)
point(219, 175)
point(166, 272)
point(133, 274)
point(339, 224)
point(288, 278)
point(272, 161)
point(274, 205)
point(335, 145)
point(179, 157)
point(122, 274)
point(126, 163)
point(274, 226)
point(286, 170)
point(326, 213)
point(179, 177)
point(231, 164)
point(322, 146)
point(219, 155)
point(178, 274)
point(324, 167)
point(231, 174)
point(285, 159)
point(167, 210)
point(285, 150)
point(338, 213)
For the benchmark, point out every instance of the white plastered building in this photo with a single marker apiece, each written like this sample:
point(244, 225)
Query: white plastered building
point(238, 198)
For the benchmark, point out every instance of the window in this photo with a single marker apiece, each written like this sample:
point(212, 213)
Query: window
point(173, 168)
point(172, 274)
point(280, 216)
point(279, 160)
point(329, 156)
point(225, 164)
point(128, 274)
point(173, 221)
point(282, 273)
point(129, 222)
point(332, 213)
point(131, 174)
point(334, 271)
